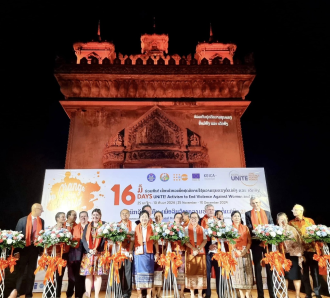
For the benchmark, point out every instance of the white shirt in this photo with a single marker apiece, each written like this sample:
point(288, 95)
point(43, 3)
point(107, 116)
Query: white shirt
point(144, 232)
point(186, 231)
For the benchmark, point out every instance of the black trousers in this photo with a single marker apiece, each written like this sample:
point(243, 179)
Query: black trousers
point(209, 264)
point(59, 278)
point(313, 266)
point(257, 252)
point(125, 273)
point(28, 261)
point(76, 283)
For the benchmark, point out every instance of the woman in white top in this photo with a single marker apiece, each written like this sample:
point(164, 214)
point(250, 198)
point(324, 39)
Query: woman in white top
point(144, 257)
point(195, 257)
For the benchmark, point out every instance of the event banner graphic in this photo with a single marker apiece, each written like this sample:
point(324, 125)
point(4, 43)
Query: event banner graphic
point(168, 190)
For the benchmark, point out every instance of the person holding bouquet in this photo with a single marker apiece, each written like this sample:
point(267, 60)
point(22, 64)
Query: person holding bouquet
point(158, 270)
point(181, 270)
point(258, 216)
point(300, 223)
point(64, 249)
point(125, 272)
point(144, 257)
point(30, 226)
point(93, 246)
point(196, 277)
point(293, 251)
point(243, 276)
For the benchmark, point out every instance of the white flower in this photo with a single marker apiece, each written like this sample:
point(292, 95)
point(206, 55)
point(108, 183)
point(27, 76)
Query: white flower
point(167, 231)
point(68, 235)
point(39, 238)
point(53, 236)
point(279, 232)
point(61, 234)
point(273, 234)
point(105, 231)
point(9, 241)
point(164, 227)
point(219, 234)
point(157, 229)
point(209, 231)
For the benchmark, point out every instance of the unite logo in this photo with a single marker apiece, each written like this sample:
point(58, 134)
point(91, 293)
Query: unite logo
point(179, 177)
point(248, 179)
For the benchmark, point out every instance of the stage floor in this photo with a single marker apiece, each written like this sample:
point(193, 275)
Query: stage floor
point(187, 295)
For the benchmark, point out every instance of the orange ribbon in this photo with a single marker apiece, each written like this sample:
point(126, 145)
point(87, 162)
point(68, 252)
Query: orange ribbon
point(3, 266)
point(171, 257)
point(225, 261)
point(318, 256)
point(278, 261)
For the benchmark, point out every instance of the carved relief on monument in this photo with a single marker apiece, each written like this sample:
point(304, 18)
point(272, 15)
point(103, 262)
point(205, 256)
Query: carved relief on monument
point(90, 50)
point(155, 138)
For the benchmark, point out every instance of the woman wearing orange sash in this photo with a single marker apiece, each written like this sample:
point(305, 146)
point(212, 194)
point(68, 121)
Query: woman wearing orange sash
point(293, 251)
point(243, 276)
point(180, 280)
point(60, 249)
point(159, 270)
point(195, 257)
point(144, 257)
point(93, 246)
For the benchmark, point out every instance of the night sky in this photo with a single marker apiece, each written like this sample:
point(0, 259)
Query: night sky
point(285, 128)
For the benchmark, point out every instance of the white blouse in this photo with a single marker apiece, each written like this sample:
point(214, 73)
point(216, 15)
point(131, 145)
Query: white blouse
point(186, 231)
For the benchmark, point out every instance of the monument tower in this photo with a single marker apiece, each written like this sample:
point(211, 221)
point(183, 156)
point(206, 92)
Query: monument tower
point(154, 109)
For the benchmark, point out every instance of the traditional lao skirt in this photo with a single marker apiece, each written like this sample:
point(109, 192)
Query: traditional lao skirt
point(243, 275)
point(159, 270)
point(195, 277)
point(181, 270)
point(143, 270)
point(90, 265)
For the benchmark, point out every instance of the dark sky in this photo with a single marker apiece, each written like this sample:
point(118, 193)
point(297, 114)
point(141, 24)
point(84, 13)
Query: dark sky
point(285, 128)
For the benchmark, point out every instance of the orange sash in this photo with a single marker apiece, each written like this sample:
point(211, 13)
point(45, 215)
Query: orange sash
point(243, 239)
point(70, 228)
point(255, 220)
point(185, 224)
point(28, 229)
point(125, 243)
point(200, 234)
point(77, 233)
point(89, 237)
point(138, 241)
point(205, 225)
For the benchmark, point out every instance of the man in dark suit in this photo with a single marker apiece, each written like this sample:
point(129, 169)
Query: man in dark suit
point(30, 227)
point(253, 218)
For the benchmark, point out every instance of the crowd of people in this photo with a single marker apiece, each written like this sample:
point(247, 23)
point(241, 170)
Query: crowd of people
point(141, 271)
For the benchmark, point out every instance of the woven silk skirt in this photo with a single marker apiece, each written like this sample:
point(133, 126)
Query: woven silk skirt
point(195, 277)
point(143, 270)
point(243, 275)
point(159, 270)
point(181, 270)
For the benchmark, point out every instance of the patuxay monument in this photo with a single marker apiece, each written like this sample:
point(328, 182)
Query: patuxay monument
point(152, 109)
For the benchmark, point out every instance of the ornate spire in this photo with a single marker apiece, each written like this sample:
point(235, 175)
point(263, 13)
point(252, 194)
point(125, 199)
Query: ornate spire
point(211, 34)
point(99, 31)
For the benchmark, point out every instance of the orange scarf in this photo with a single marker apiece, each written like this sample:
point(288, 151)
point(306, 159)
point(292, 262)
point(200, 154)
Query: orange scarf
point(185, 224)
point(205, 225)
point(70, 228)
point(28, 229)
point(255, 220)
point(89, 237)
point(77, 233)
point(200, 234)
point(125, 243)
point(243, 239)
point(138, 241)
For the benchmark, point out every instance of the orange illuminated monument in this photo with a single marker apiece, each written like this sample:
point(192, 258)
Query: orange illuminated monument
point(154, 109)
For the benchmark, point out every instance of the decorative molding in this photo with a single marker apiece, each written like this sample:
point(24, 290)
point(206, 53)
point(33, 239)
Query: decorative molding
point(166, 88)
point(238, 115)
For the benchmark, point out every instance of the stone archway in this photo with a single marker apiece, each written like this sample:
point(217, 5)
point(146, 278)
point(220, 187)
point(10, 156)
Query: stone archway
point(154, 140)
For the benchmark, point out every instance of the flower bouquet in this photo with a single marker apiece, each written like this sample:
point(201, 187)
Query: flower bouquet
point(317, 233)
point(113, 231)
point(218, 229)
point(51, 236)
point(170, 232)
point(272, 234)
point(9, 239)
